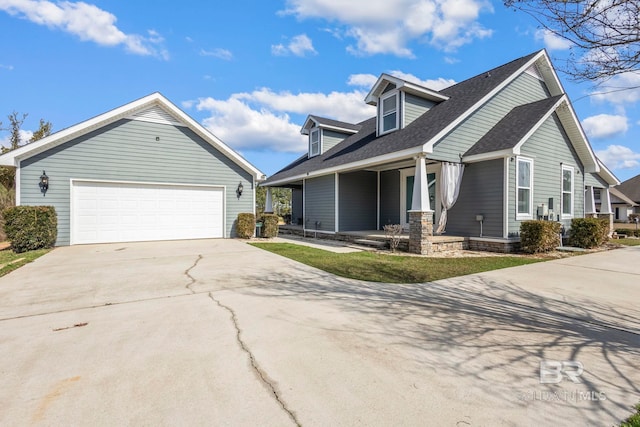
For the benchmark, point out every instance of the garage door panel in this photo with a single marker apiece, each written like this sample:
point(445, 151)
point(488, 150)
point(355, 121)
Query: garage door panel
point(118, 212)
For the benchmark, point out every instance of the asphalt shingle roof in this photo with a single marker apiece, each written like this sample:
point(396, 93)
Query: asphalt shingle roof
point(631, 188)
point(364, 144)
point(513, 127)
point(335, 123)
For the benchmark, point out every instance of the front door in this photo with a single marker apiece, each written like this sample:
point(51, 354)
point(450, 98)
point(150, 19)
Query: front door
point(409, 180)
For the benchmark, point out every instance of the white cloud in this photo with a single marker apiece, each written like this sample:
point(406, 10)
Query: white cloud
point(387, 26)
point(605, 125)
point(451, 60)
point(619, 157)
point(262, 119)
point(218, 53)
point(88, 22)
point(6, 67)
point(300, 45)
point(552, 41)
point(368, 80)
point(25, 135)
point(623, 89)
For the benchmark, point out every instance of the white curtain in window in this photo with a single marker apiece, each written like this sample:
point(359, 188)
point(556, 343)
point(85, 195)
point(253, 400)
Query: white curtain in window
point(450, 180)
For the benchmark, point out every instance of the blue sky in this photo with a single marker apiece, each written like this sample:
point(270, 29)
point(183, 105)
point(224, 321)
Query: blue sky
point(251, 71)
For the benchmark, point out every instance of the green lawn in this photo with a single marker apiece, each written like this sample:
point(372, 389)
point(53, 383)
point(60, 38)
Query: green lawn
point(375, 267)
point(627, 242)
point(633, 420)
point(11, 261)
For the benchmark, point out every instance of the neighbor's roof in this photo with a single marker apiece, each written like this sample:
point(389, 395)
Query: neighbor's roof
point(365, 145)
point(631, 188)
point(620, 195)
point(132, 109)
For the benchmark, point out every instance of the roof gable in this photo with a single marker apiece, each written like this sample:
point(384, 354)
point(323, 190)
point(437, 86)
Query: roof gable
point(330, 124)
point(155, 108)
point(631, 188)
point(403, 85)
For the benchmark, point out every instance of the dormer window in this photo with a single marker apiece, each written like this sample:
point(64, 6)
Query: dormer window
point(314, 142)
point(389, 113)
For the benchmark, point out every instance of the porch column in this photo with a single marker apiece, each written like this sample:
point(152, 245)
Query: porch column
point(268, 203)
point(605, 208)
point(420, 215)
point(589, 202)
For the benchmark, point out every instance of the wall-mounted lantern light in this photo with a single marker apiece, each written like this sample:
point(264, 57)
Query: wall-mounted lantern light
point(239, 190)
point(44, 182)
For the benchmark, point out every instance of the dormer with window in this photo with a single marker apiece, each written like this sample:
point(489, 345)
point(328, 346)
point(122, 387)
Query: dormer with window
point(400, 102)
point(325, 133)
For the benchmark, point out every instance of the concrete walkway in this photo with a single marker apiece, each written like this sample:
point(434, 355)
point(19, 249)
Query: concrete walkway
point(217, 332)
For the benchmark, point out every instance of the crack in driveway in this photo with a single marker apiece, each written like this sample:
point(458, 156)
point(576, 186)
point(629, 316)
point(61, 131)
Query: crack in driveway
point(187, 273)
point(254, 364)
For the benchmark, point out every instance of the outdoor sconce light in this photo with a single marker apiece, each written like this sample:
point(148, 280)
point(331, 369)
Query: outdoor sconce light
point(240, 189)
point(44, 182)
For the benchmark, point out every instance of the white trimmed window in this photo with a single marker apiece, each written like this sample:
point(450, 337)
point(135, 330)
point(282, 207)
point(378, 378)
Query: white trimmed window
point(314, 142)
point(567, 191)
point(524, 191)
point(389, 113)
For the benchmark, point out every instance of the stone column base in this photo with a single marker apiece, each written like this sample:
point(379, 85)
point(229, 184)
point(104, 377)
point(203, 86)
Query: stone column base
point(420, 232)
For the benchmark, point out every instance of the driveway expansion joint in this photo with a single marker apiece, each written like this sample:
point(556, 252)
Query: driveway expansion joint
point(187, 273)
point(254, 364)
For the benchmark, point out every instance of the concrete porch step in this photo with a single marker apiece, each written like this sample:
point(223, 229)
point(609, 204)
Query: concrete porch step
point(371, 243)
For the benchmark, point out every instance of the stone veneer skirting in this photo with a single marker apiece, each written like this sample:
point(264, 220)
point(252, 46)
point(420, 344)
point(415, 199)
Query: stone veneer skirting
point(494, 245)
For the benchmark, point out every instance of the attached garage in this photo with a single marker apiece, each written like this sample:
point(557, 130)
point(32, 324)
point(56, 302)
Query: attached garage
point(142, 172)
point(103, 212)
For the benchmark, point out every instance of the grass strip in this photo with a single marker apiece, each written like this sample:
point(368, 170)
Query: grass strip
point(10, 260)
point(374, 267)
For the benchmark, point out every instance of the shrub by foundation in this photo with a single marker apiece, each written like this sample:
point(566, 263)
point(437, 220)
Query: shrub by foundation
point(539, 236)
point(588, 232)
point(245, 225)
point(30, 227)
point(270, 225)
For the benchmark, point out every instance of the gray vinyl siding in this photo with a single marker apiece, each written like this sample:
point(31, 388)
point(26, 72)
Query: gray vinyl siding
point(481, 192)
point(296, 206)
point(549, 148)
point(414, 107)
point(389, 197)
point(331, 138)
point(127, 150)
point(320, 203)
point(357, 201)
point(594, 180)
point(523, 90)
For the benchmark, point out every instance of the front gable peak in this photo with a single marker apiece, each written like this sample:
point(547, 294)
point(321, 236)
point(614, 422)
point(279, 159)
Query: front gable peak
point(386, 82)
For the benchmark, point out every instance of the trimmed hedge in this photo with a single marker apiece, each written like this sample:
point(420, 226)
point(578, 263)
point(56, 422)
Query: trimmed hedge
point(589, 232)
point(30, 227)
point(245, 225)
point(539, 236)
point(628, 231)
point(270, 225)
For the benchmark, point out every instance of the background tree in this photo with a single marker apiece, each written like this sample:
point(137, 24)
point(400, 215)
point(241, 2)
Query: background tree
point(8, 174)
point(281, 198)
point(604, 35)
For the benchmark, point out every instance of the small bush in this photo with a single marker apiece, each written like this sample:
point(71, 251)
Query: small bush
point(270, 225)
point(588, 232)
point(393, 232)
point(632, 218)
point(628, 232)
point(539, 236)
point(30, 227)
point(245, 225)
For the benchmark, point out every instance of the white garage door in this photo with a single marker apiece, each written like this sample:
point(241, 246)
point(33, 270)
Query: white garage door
point(103, 212)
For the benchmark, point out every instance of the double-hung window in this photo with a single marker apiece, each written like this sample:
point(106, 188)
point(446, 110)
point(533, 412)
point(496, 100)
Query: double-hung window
point(314, 142)
point(567, 191)
point(389, 113)
point(524, 194)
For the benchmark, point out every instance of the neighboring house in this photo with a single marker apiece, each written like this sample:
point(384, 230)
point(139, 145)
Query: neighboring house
point(143, 171)
point(510, 133)
point(621, 205)
point(627, 199)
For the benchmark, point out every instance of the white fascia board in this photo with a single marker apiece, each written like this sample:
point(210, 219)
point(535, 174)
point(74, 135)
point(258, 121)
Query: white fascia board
point(549, 74)
point(337, 129)
point(13, 158)
point(374, 161)
point(590, 162)
point(423, 92)
point(375, 92)
point(501, 154)
point(606, 174)
point(428, 146)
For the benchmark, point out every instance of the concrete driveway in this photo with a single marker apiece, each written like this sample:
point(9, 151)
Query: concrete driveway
point(216, 332)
